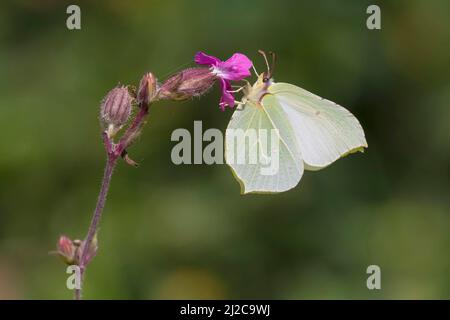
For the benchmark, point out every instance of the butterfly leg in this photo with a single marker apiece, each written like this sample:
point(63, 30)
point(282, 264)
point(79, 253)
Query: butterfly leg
point(254, 70)
point(239, 105)
point(240, 88)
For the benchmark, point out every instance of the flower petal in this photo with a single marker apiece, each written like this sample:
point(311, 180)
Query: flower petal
point(241, 60)
point(227, 98)
point(203, 58)
point(235, 68)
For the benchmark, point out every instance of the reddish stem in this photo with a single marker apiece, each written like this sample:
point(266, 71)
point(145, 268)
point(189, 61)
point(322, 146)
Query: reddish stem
point(109, 168)
point(113, 153)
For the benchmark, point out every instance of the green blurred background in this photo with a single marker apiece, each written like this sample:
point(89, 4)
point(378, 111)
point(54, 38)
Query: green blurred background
point(185, 231)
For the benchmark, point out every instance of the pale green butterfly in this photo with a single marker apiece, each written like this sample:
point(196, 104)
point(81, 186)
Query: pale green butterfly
point(310, 134)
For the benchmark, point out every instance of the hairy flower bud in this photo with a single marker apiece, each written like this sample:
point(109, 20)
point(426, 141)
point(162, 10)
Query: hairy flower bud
point(147, 89)
point(115, 109)
point(188, 83)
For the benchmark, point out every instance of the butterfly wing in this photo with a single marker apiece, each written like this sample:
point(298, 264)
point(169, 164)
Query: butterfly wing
point(324, 130)
point(279, 142)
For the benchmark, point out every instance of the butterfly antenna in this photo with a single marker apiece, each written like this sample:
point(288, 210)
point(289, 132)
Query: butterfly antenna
point(265, 59)
point(274, 59)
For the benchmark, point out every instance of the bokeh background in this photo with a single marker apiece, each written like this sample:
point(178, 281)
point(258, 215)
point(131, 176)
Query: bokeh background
point(185, 231)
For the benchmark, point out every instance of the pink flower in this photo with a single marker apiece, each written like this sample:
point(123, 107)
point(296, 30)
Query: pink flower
point(235, 68)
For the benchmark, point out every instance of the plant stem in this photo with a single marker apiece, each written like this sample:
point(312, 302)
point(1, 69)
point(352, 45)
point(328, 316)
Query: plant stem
point(113, 152)
point(109, 168)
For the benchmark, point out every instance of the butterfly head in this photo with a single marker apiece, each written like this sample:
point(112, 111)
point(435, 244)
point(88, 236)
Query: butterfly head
point(266, 77)
point(259, 89)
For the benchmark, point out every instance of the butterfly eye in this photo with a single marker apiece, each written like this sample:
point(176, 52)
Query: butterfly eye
point(265, 79)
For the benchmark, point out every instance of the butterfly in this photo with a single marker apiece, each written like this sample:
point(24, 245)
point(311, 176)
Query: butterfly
point(306, 132)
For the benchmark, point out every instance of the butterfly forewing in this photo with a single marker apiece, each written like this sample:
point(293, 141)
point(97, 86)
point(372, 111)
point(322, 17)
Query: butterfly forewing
point(324, 130)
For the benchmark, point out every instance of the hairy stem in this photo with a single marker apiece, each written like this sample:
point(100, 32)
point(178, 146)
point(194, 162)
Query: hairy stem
point(113, 151)
point(109, 168)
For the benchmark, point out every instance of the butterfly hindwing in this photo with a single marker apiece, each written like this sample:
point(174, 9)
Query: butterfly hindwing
point(275, 138)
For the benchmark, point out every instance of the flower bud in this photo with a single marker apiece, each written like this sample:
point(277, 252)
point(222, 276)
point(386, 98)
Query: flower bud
point(147, 89)
point(187, 84)
point(115, 109)
point(68, 250)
